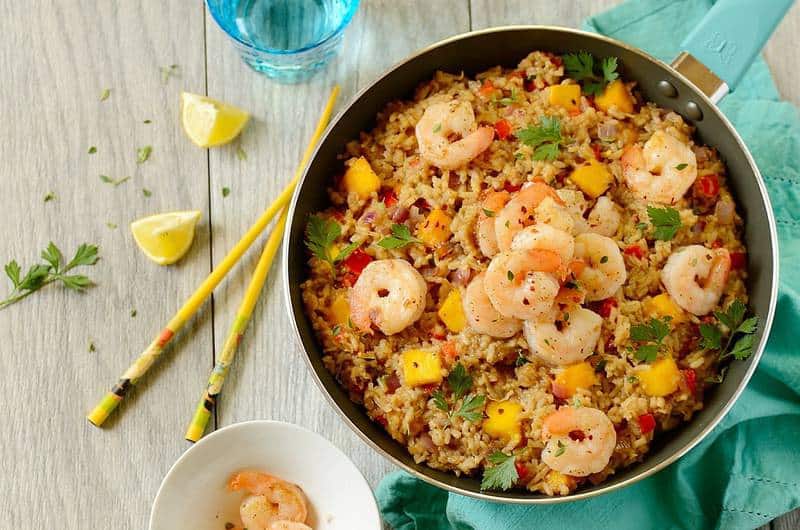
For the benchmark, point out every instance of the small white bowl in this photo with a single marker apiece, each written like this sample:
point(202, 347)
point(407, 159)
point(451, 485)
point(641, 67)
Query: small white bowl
point(194, 494)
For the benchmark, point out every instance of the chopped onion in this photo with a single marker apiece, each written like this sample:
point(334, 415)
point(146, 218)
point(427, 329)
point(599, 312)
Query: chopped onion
point(724, 210)
point(607, 130)
point(461, 276)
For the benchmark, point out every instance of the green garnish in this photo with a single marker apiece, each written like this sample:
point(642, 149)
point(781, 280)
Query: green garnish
point(146, 192)
point(226, 191)
point(92, 150)
point(168, 71)
point(632, 379)
point(147, 122)
point(521, 360)
point(401, 236)
point(742, 332)
point(143, 153)
point(502, 475)
point(665, 221)
point(717, 378)
point(545, 139)
point(600, 367)
point(112, 226)
point(133, 313)
point(681, 167)
point(518, 155)
point(50, 196)
point(92, 347)
point(510, 276)
point(488, 213)
point(115, 182)
point(240, 153)
point(104, 94)
point(437, 128)
point(650, 336)
point(459, 381)
point(506, 101)
point(51, 271)
point(471, 408)
point(320, 235)
point(561, 448)
point(582, 68)
point(604, 259)
point(439, 401)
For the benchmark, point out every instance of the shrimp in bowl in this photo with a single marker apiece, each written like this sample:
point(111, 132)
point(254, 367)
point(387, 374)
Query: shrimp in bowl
point(270, 503)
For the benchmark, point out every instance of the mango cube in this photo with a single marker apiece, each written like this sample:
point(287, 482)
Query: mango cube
point(615, 95)
point(435, 229)
point(661, 378)
point(664, 306)
point(361, 179)
point(421, 367)
point(593, 179)
point(503, 421)
point(340, 310)
point(573, 377)
point(559, 481)
point(567, 96)
point(452, 312)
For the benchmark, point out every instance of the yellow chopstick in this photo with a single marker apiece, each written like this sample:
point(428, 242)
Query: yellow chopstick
point(143, 363)
point(216, 378)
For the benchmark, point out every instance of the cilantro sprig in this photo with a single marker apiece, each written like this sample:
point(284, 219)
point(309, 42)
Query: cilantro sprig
point(401, 237)
point(320, 235)
point(545, 139)
point(650, 337)
point(460, 382)
point(592, 76)
point(52, 270)
point(741, 332)
point(666, 222)
point(502, 475)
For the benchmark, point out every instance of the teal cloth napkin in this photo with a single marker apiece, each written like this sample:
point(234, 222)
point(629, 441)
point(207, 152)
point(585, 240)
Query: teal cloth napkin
point(746, 472)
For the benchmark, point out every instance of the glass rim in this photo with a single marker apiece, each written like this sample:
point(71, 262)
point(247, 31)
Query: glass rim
point(348, 17)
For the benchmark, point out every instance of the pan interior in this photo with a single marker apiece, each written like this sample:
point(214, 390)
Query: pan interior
point(471, 54)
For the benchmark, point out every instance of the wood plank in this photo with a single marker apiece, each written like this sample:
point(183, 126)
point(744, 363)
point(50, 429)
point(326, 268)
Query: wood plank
point(270, 379)
point(56, 58)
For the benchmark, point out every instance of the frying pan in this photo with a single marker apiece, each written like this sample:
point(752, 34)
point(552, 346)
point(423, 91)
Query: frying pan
point(717, 54)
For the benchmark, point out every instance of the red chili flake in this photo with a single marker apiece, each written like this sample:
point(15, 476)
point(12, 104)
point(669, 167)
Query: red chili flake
point(356, 261)
point(389, 197)
point(522, 470)
point(606, 306)
point(635, 250)
point(738, 260)
point(597, 151)
point(577, 435)
point(647, 422)
point(503, 129)
point(717, 243)
point(707, 185)
point(511, 188)
point(690, 376)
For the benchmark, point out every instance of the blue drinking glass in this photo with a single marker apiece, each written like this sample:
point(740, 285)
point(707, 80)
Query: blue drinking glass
point(287, 40)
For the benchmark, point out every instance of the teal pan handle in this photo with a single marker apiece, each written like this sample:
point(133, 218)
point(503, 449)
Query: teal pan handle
point(732, 34)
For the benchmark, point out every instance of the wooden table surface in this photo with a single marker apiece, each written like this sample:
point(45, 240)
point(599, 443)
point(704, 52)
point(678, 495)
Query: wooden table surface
point(56, 57)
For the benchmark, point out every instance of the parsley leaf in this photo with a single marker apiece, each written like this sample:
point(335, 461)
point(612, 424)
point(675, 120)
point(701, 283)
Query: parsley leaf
point(521, 360)
point(681, 166)
point(459, 381)
point(226, 191)
point(471, 407)
point(146, 192)
point(712, 337)
point(320, 235)
point(50, 196)
point(582, 68)
point(502, 475)
point(666, 222)
point(651, 334)
point(742, 332)
point(743, 347)
point(401, 236)
point(440, 401)
point(647, 353)
point(51, 271)
point(732, 316)
point(546, 138)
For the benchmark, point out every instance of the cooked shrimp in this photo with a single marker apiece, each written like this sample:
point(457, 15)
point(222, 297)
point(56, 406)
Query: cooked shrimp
point(604, 272)
point(519, 212)
point(484, 228)
point(481, 314)
point(552, 213)
point(579, 440)
point(389, 294)
point(520, 283)
point(271, 499)
point(662, 171)
point(563, 336)
point(605, 217)
point(576, 204)
point(545, 237)
point(439, 123)
point(695, 277)
point(288, 525)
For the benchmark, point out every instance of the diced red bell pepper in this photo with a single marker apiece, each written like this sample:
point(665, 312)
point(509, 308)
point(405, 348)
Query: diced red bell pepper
point(647, 422)
point(389, 197)
point(597, 151)
point(738, 260)
point(449, 351)
point(487, 89)
point(356, 261)
point(690, 376)
point(606, 306)
point(635, 250)
point(522, 470)
point(503, 129)
point(707, 186)
point(717, 243)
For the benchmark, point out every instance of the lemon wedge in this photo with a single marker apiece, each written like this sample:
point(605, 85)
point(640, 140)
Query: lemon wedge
point(165, 238)
point(208, 122)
